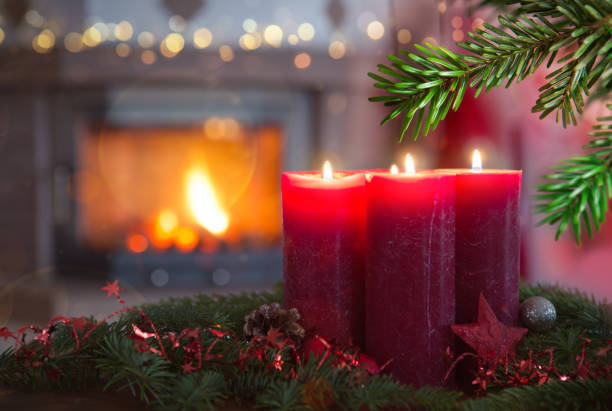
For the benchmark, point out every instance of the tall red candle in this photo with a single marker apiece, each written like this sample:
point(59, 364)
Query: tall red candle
point(487, 242)
point(323, 253)
point(410, 292)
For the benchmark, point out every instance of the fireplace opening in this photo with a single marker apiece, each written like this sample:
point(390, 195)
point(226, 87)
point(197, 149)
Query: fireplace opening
point(179, 205)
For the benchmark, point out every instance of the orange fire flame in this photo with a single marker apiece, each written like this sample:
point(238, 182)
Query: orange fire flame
point(204, 204)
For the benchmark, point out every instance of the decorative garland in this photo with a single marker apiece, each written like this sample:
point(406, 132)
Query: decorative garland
point(192, 353)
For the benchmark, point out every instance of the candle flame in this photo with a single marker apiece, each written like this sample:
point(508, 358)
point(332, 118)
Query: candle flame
point(328, 174)
point(394, 169)
point(409, 164)
point(476, 161)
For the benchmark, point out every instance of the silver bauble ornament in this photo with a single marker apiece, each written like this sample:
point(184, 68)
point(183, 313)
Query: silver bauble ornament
point(537, 314)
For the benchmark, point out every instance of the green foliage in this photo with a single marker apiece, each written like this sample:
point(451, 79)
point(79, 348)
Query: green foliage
point(204, 310)
point(581, 187)
point(121, 366)
point(429, 82)
point(200, 391)
point(109, 361)
point(558, 395)
point(575, 35)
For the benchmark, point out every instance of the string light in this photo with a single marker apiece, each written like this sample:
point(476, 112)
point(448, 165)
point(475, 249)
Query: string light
point(73, 42)
point(226, 53)
point(123, 31)
point(123, 49)
point(404, 36)
point(302, 60)
point(273, 35)
point(375, 30)
point(148, 57)
point(146, 39)
point(202, 38)
point(249, 25)
point(306, 31)
point(92, 37)
point(337, 50)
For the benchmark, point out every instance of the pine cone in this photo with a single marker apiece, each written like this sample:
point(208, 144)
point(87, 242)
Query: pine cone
point(268, 316)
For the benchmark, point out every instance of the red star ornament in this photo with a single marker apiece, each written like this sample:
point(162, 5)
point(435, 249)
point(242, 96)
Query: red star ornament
point(492, 340)
point(112, 288)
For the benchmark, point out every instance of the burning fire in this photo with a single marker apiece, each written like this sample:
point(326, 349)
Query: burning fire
point(204, 205)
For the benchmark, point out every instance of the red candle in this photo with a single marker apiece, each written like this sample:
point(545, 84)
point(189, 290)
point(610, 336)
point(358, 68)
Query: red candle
point(487, 241)
point(410, 292)
point(323, 253)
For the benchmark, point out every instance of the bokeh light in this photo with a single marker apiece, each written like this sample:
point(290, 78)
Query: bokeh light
point(1, 35)
point(148, 57)
point(457, 22)
point(430, 40)
point(477, 23)
point(33, 18)
point(302, 60)
point(337, 50)
point(43, 42)
point(103, 29)
point(73, 42)
point(249, 25)
point(458, 35)
point(293, 39)
point(146, 39)
point(92, 37)
point(442, 6)
point(250, 41)
point(137, 243)
point(123, 31)
point(226, 53)
point(202, 38)
point(306, 31)
point(404, 36)
point(174, 42)
point(123, 49)
point(186, 239)
point(177, 23)
point(273, 35)
point(375, 30)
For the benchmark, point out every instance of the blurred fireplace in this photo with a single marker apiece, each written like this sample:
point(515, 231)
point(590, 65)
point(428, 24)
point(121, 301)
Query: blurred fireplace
point(178, 188)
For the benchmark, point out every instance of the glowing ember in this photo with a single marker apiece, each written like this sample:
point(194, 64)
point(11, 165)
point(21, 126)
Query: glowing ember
point(204, 205)
point(137, 243)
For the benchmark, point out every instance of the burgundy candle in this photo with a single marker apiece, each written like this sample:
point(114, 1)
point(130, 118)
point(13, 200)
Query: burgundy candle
point(487, 241)
point(323, 253)
point(410, 292)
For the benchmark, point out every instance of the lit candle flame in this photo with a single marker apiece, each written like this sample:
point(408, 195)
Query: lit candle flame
point(394, 169)
point(410, 169)
point(328, 174)
point(476, 161)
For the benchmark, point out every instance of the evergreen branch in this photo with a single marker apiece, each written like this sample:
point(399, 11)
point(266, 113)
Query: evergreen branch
point(202, 391)
point(581, 186)
point(121, 366)
point(594, 394)
point(429, 82)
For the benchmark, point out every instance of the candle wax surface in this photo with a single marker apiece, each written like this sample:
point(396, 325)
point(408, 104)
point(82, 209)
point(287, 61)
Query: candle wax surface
point(323, 253)
point(410, 300)
point(487, 242)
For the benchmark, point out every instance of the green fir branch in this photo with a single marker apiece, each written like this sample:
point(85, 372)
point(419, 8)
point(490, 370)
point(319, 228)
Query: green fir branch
point(594, 394)
point(580, 189)
point(428, 83)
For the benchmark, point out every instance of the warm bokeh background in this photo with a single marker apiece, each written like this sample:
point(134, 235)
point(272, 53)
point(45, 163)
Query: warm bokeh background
point(143, 140)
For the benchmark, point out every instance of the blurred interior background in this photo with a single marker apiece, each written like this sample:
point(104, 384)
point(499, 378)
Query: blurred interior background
point(143, 140)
